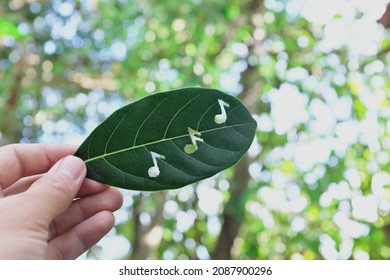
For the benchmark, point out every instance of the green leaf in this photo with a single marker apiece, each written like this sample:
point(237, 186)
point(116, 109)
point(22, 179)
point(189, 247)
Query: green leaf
point(8, 28)
point(168, 140)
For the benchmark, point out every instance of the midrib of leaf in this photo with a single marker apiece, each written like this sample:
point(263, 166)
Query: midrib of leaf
point(159, 141)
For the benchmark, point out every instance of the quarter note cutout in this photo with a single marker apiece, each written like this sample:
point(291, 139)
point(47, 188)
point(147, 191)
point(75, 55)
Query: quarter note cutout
point(154, 171)
point(221, 118)
point(194, 135)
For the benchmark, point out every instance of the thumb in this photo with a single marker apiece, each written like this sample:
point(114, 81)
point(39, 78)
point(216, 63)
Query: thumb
point(54, 192)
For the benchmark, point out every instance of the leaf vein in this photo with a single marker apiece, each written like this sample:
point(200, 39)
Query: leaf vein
point(174, 167)
point(192, 157)
point(159, 141)
point(136, 135)
point(181, 109)
point(123, 172)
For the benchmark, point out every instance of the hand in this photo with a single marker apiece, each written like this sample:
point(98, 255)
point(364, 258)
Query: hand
point(57, 215)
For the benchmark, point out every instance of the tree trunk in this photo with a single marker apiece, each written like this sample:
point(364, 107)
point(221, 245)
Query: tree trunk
point(8, 124)
point(144, 245)
point(385, 19)
point(233, 211)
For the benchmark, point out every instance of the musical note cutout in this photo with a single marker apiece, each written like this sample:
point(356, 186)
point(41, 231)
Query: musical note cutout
point(221, 118)
point(154, 171)
point(194, 135)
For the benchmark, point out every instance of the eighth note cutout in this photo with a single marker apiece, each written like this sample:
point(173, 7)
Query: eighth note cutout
point(221, 118)
point(194, 135)
point(154, 171)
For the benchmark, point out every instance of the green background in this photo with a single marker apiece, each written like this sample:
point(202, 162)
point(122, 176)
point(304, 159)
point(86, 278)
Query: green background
point(315, 75)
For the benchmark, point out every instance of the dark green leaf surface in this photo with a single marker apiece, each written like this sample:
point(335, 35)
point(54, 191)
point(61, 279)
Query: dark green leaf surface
point(169, 140)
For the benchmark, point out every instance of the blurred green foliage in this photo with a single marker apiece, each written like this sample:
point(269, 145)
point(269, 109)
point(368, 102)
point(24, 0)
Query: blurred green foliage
point(315, 183)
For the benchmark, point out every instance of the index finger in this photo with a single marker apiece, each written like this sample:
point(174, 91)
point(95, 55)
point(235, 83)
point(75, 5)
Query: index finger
point(20, 160)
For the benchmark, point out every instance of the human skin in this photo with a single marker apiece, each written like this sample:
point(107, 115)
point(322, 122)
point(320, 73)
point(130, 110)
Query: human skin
point(48, 209)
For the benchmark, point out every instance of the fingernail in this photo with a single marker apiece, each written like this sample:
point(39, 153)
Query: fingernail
point(72, 166)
